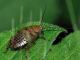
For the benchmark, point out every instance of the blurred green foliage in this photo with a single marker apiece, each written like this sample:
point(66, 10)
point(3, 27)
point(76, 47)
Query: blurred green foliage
point(54, 9)
point(11, 9)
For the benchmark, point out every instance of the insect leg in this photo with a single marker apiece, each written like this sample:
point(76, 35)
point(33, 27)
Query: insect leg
point(7, 47)
point(41, 35)
point(12, 33)
point(29, 45)
point(12, 27)
point(21, 16)
point(40, 17)
point(30, 18)
point(27, 55)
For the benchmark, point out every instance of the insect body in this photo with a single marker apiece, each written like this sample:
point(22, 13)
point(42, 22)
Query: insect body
point(25, 36)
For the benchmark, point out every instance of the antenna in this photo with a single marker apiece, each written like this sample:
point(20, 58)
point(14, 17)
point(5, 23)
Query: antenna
point(21, 15)
point(30, 18)
point(42, 15)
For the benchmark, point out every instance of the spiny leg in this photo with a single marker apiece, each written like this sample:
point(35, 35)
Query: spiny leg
point(41, 35)
point(20, 54)
point(7, 47)
point(27, 55)
point(40, 20)
point(21, 16)
point(12, 33)
point(29, 45)
point(30, 22)
point(13, 29)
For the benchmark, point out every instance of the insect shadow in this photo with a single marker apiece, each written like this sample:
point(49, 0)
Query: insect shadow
point(61, 36)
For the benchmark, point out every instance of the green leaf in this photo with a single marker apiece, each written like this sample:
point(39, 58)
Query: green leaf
point(37, 51)
point(68, 49)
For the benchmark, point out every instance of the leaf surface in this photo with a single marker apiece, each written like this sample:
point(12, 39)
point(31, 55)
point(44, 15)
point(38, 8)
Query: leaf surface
point(68, 49)
point(37, 51)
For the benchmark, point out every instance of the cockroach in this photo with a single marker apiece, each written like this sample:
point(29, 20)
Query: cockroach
point(25, 36)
